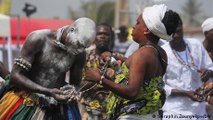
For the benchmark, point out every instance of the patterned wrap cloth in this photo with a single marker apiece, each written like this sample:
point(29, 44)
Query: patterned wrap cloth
point(150, 99)
point(16, 104)
point(94, 99)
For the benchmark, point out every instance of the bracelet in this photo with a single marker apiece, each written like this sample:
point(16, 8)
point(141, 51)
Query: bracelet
point(21, 62)
point(101, 80)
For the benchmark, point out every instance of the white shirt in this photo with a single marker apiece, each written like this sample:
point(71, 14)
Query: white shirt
point(179, 76)
point(122, 46)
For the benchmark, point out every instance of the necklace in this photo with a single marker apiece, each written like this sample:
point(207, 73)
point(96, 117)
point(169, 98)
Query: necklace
point(104, 70)
point(58, 39)
point(60, 45)
point(187, 64)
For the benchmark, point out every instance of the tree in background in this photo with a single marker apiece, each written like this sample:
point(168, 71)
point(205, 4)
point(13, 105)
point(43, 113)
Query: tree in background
point(106, 13)
point(99, 11)
point(192, 10)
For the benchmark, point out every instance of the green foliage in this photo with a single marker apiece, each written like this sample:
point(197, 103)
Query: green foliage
point(96, 10)
point(106, 13)
point(192, 10)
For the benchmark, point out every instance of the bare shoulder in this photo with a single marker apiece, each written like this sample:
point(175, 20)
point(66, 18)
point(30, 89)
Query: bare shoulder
point(148, 54)
point(140, 56)
point(35, 40)
point(151, 50)
point(37, 36)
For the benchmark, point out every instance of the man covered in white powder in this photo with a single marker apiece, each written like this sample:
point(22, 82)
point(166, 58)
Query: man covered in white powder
point(38, 87)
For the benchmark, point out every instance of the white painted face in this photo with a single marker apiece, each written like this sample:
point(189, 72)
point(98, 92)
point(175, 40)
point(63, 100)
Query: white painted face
point(80, 35)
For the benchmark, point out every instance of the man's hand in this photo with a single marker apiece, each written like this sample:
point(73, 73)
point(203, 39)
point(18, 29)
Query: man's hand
point(59, 95)
point(193, 96)
point(208, 87)
point(205, 74)
point(73, 94)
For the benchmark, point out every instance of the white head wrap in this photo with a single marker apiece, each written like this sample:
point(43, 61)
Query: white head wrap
point(152, 17)
point(207, 24)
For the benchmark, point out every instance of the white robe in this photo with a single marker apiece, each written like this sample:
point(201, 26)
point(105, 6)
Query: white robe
point(178, 76)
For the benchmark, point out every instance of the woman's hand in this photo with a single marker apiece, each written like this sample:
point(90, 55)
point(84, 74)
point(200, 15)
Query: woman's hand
point(93, 74)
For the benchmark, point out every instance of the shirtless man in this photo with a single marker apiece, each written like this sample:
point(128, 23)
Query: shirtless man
point(40, 71)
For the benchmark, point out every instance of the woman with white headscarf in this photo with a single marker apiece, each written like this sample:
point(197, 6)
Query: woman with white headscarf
point(137, 92)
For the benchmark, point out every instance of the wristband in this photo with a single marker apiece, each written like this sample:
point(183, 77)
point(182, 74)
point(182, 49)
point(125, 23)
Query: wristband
point(101, 80)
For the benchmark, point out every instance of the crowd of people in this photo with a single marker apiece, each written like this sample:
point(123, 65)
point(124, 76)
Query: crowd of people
point(159, 75)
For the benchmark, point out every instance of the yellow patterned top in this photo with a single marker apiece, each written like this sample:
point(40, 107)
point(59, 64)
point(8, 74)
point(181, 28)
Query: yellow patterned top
point(94, 99)
point(150, 99)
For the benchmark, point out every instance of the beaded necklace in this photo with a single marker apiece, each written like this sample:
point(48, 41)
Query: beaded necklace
point(60, 45)
point(187, 64)
point(58, 40)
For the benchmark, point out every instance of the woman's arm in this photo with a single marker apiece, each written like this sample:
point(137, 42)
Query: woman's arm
point(137, 71)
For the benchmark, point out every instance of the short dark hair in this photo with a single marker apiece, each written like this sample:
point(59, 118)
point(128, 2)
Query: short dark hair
point(171, 21)
point(123, 30)
point(105, 24)
point(112, 33)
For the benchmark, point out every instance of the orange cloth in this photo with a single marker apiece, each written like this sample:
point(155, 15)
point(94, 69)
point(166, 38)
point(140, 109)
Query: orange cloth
point(15, 107)
point(7, 103)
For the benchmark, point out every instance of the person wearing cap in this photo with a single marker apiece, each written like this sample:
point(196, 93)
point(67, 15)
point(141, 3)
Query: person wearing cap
point(189, 66)
point(137, 92)
point(207, 27)
point(38, 89)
